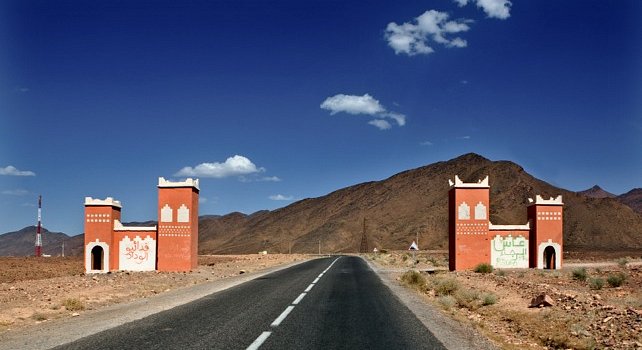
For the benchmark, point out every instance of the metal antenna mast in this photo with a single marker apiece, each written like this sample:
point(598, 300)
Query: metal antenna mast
point(38, 233)
point(364, 239)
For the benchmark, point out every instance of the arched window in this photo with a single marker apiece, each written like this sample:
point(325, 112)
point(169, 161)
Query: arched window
point(183, 214)
point(166, 214)
point(464, 211)
point(480, 211)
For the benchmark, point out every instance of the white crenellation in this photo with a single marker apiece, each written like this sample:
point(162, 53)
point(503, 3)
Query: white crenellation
point(551, 201)
point(183, 214)
point(189, 182)
point(166, 214)
point(102, 202)
point(480, 184)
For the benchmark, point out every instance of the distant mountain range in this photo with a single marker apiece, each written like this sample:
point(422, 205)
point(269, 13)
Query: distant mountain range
point(632, 199)
point(399, 208)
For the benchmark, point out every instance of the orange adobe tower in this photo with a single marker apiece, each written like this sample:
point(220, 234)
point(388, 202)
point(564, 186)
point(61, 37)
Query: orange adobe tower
point(546, 237)
point(177, 225)
point(468, 224)
point(99, 240)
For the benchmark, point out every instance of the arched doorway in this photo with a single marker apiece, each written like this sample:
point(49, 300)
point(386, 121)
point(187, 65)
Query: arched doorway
point(549, 258)
point(97, 255)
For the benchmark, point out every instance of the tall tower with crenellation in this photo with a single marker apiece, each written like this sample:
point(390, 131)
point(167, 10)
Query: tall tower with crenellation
point(546, 244)
point(99, 233)
point(468, 242)
point(177, 225)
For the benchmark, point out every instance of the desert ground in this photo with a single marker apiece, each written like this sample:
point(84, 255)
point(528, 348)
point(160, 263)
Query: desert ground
point(596, 300)
point(35, 290)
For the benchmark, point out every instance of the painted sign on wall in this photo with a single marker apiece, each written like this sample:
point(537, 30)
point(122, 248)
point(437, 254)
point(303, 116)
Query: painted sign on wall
point(509, 252)
point(137, 254)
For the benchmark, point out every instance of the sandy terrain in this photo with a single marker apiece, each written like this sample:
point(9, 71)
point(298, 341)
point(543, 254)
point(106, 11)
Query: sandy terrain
point(35, 290)
point(497, 303)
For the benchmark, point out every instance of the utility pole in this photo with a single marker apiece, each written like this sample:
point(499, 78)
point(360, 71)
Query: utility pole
point(364, 239)
point(63, 249)
point(38, 252)
point(319, 247)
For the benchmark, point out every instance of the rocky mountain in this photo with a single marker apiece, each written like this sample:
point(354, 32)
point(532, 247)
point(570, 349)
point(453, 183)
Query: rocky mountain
point(633, 199)
point(397, 209)
point(21, 243)
point(596, 192)
point(415, 202)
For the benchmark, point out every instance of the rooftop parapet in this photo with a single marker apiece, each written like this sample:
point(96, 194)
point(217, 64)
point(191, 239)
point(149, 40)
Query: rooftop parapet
point(493, 227)
point(118, 226)
point(460, 184)
point(551, 201)
point(189, 182)
point(109, 201)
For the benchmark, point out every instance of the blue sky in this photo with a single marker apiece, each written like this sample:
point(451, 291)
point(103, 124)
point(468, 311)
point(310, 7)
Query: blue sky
point(270, 102)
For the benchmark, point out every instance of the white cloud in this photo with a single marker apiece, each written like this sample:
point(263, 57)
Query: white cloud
point(17, 192)
point(463, 137)
point(280, 197)
point(426, 143)
point(202, 200)
point(366, 104)
point(380, 124)
point(260, 179)
point(413, 38)
point(233, 166)
point(493, 8)
point(12, 171)
point(352, 104)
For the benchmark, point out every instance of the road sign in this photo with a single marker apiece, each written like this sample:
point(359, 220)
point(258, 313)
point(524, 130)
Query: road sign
point(413, 246)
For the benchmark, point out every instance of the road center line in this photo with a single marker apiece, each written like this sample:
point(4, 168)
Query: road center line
point(298, 299)
point(315, 281)
point(257, 343)
point(309, 288)
point(283, 315)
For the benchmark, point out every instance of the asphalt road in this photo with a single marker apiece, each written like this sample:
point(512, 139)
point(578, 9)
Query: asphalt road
point(332, 303)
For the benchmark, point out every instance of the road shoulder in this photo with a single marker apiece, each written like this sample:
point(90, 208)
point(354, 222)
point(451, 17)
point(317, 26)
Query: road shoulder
point(63, 331)
point(452, 334)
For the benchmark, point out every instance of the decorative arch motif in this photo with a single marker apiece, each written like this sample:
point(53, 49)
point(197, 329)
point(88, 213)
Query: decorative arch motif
point(166, 214)
point(183, 214)
point(464, 211)
point(89, 258)
point(480, 211)
point(541, 263)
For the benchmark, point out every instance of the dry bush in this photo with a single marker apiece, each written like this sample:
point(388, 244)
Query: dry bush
point(39, 316)
point(579, 274)
point(413, 279)
point(447, 301)
point(444, 285)
point(467, 298)
point(596, 283)
point(73, 304)
point(483, 268)
point(616, 280)
point(488, 299)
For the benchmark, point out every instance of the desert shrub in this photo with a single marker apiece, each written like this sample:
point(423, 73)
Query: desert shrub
point(500, 273)
point(413, 279)
point(616, 280)
point(579, 274)
point(483, 268)
point(488, 299)
point(404, 257)
point(73, 304)
point(622, 262)
point(446, 301)
point(467, 298)
point(596, 283)
point(39, 316)
point(445, 286)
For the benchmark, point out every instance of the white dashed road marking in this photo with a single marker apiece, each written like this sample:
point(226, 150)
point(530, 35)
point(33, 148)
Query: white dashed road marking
point(259, 341)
